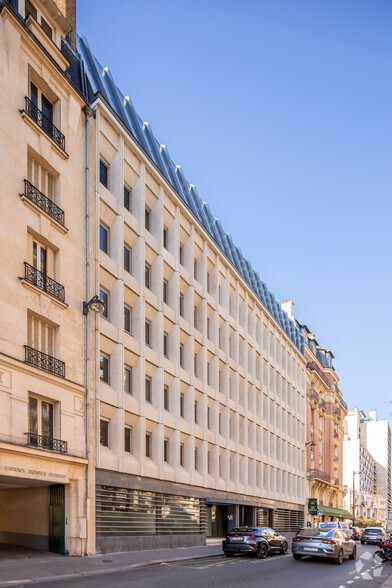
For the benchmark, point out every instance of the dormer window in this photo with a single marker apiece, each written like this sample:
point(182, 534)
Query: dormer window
point(46, 28)
point(30, 9)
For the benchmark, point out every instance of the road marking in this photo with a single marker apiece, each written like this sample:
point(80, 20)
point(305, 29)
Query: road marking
point(17, 581)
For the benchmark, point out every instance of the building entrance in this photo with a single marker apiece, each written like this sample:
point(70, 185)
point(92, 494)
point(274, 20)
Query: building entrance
point(216, 520)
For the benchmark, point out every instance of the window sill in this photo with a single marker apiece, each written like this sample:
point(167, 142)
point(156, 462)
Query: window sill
point(34, 288)
point(27, 202)
point(63, 154)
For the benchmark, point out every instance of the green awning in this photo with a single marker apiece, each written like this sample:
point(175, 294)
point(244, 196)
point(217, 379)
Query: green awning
point(335, 512)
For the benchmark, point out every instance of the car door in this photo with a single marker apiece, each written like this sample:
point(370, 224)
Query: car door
point(344, 541)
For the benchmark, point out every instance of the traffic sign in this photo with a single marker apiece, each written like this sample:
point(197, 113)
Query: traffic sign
point(319, 513)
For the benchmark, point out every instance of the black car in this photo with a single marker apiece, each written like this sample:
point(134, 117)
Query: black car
point(259, 541)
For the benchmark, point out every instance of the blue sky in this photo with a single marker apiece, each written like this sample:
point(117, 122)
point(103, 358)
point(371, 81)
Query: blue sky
point(280, 113)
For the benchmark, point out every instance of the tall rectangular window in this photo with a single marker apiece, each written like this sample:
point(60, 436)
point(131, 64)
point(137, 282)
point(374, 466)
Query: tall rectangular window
point(182, 454)
point(165, 238)
point(147, 276)
point(104, 238)
point(128, 439)
point(127, 319)
point(195, 269)
point(147, 333)
point(148, 445)
point(148, 388)
point(165, 344)
point(104, 433)
point(182, 401)
point(208, 417)
point(196, 458)
point(128, 379)
point(104, 368)
point(41, 335)
point(104, 296)
point(181, 355)
point(166, 450)
point(166, 397)
point(182, 305)
point(30, 9)
point(128, 198)
point(208, 328)
point(208, 373)
point(47, 28)
point(181, 254)
point(40, 417)
point(208, 283)
point(195, 364)
point(147, 219)
point(196, 411)
point(165, 291)
point(127, 259)
point(103, 173)
point(195, 317)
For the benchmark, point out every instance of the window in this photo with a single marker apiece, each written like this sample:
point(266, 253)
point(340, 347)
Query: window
point(128, 198)
point(40, 178)
point(195, 364)
point(166, 450)
point(147, 333)
point(195, 316)
point(147, 276)
point(182, 405)
point(196, 411)
point(208, 417)
point(181, 254)
point(209, 283)
point(40, 417)
point(165, 344)
point(208, 373)
point(30, 9)
point(128, 379)
point(147, 219)
point(104, 296)
point(182, 454)
point(148, 445)
point(103, 173)
point(182, 305)
point(127, 259)
point(40, 258)
point(165, 291)
point(196, 458)
point(127, 319)
point(104, 433)
point(208, 328)
point(148, 388)
point(128, 439)
point(165, 238)
point(166, 397)
point(40, 335)
point(104, 238)
point(46, 28)
point(44, 104)
point(195, 269)
point(181, 355)
point(220, 423)
point(104, 368)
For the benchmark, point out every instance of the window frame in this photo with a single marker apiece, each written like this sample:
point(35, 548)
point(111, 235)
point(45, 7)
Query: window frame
point(128, 311)
point(128, 441)
point(104, 235)
point(128, 191)
point(104, 439)
point(147, 332)
point(127, 263)
point(148, 389)
point(106, 358)
point(147, 219)
point(128, 369)
point(104, 296)
point(147, 276)
point(103, 165)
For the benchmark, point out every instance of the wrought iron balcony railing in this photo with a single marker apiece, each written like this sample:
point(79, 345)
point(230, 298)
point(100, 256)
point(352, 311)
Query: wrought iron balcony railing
point(46, 125)
point(44, 362)
point(33, 194)
point(42, 281)
point(49, 443)
point(319, 475)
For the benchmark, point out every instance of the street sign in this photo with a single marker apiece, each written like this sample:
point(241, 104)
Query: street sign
point(319, 513)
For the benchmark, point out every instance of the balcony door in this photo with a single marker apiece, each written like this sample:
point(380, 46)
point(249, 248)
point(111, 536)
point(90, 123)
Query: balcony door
point(40, 335)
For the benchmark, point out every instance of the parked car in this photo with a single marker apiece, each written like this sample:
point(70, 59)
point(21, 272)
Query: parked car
point(259, 541)
point(355, 533)
point(374, 535)
point(330, 543)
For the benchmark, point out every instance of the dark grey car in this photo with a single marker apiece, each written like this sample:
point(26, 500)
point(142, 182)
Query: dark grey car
point(373, 535)
point(259, 541)
point(330, 543)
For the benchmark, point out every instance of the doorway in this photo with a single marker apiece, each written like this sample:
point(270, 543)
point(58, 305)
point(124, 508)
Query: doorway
point(57, 518)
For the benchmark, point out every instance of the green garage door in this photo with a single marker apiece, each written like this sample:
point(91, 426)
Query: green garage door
point(57, 518)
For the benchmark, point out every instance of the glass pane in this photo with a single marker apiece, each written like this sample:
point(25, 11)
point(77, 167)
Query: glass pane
point(47, 108)
point(47, 419)
point(33, 415)
point(34, 94)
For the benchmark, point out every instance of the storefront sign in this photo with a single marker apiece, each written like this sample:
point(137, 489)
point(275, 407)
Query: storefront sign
point(312, 506)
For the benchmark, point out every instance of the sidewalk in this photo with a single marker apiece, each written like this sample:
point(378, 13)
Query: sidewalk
point(34, 566)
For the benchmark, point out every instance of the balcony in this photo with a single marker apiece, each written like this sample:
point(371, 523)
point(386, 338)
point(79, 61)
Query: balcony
point(46, 125)
point(337, 482)
point(319, 475)
point(43, 282)
point(337, 411)
point(322, 404)
point(43, 202)
point(313, 394)
point(44, 362)
point(48, 443)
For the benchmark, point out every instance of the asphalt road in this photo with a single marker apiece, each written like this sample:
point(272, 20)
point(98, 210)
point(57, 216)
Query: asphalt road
point(274, 572)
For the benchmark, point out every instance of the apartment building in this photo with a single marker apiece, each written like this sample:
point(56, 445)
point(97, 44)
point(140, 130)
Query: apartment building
point(367, 465)
point(200, 380)
point(42, 350)
point(325, 413)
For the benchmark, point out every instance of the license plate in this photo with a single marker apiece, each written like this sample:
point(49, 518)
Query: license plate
point(310, 549)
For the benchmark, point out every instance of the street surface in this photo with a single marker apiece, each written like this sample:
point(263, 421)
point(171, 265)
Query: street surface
point(274, 572)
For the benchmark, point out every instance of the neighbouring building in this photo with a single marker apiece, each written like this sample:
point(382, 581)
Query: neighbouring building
point(42, 266)
point(325, 413)
point(367, 465)
point(201, 377)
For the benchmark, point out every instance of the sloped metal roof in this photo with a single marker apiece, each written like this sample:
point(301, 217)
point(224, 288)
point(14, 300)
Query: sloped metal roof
point(101, 81)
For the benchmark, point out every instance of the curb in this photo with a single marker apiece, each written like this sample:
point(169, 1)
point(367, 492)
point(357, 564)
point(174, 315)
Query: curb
point(142, 564)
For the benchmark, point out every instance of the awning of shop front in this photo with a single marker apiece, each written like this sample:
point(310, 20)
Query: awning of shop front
point(336, 512)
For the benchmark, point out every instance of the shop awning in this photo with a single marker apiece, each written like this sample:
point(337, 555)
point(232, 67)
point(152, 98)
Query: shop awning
point(335, 512)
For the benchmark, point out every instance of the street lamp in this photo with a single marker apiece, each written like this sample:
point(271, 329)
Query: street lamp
point(95, 305)
point(311, 443)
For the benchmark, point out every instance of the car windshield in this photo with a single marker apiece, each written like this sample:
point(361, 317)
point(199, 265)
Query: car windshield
point(373, 531)
point(316, 532)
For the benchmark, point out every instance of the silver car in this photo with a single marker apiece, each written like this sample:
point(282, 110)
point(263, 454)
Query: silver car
point(331, 543)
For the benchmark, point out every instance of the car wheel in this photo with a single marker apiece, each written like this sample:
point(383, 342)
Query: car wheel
point(284, 548)
point(354, 553)
point(297, 557)
point(339, 560)
point(229, 553)
point(362, 542)
point(262, 551)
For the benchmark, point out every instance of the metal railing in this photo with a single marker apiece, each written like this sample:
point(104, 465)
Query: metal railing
point(322, 404)
point(42, 281)
point(46, 125)
point(49, 443)
point(319, 475)
point(337, 482)
point(44, 362)
point(47, 205)
point(337, 411)
point(313, 394)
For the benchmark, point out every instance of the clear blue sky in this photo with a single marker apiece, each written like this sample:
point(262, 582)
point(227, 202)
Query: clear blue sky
point(279, 112)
